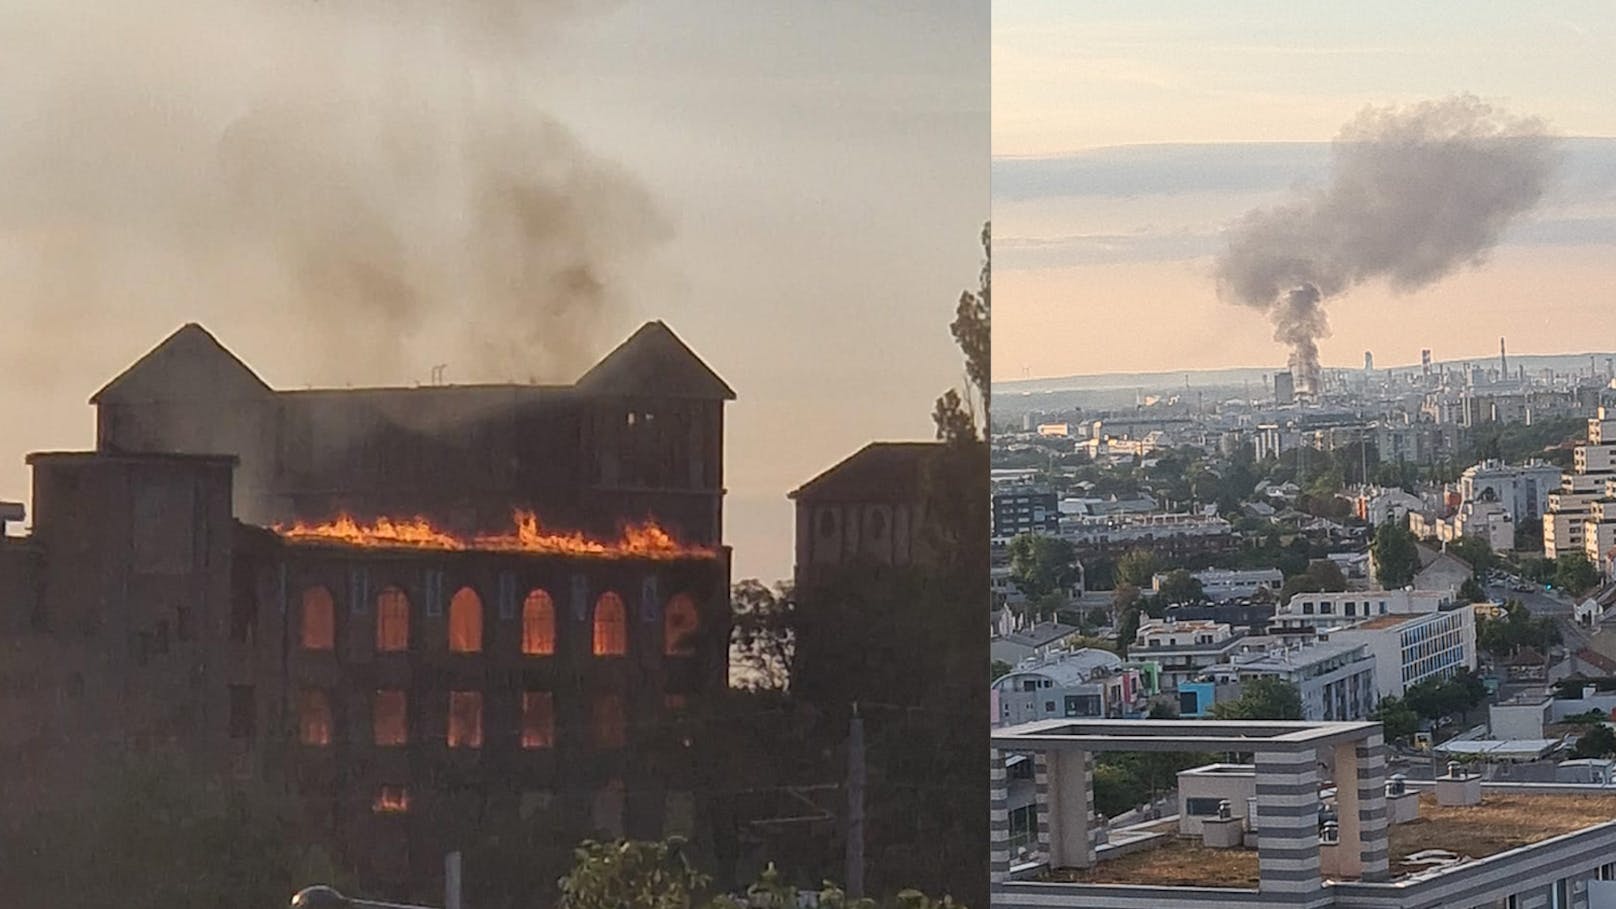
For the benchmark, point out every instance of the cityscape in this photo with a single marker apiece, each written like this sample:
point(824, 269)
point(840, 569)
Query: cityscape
point(1337, 631)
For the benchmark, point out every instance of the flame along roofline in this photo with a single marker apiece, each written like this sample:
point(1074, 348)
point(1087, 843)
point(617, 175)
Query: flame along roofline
point(646, 541)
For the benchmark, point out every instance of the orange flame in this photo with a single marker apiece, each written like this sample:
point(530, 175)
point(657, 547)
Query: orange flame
point(646, 540)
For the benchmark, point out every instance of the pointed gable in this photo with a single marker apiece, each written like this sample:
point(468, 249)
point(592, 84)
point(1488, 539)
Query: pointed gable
point(654, 362)
point(891, 472)
point(188, 361)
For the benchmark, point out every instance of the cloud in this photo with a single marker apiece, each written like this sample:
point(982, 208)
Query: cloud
point(1137, 184)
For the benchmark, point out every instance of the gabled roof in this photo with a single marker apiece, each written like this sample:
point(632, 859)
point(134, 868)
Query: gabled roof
point(191, 342)
point(879, 472)
point(653, 361)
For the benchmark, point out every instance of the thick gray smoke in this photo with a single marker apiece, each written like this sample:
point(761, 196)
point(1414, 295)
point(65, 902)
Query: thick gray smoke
point(1414, 194)
point(376, 181)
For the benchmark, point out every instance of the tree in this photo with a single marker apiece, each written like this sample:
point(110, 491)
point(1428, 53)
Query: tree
point(1161, 710)
point(1041, 565)
point(957, 416)
point(1395, 556)
point(1397, 719)
point(1262, 699)
point(658, 875)
point(644, 875)
point(1127, 629)
point(1475, 550)
point(1529, 535)
point(1321, 576)
point(761, 640)
point(1181, 587)
point(154, 831)
point(1471, 591)
point(1574, 574)
point(1517, 628)
point(1001, 669)
point(1137, 568)
point(1598, 742)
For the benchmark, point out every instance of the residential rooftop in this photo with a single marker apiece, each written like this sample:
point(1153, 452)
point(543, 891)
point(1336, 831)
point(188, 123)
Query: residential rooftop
point(1500, 823)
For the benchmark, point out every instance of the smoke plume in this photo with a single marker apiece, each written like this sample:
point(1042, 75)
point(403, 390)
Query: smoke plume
point(1414, 194)
point(376, 181)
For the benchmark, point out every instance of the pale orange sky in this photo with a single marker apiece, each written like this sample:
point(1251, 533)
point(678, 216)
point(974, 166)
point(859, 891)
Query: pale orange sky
point(1164, 316)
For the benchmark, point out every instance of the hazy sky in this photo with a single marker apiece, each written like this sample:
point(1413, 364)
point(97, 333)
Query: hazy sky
point(352, 192)
point(1124, 143)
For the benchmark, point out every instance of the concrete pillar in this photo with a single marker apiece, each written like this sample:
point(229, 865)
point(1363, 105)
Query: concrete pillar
point(1372, 819)
point(1288, 823)
point(998, 818)
point(1349, 863)
point(1065, 793)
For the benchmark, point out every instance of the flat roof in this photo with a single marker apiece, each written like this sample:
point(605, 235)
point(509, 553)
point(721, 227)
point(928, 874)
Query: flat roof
point(1177, 735)
point(1500, 823)
point(1387, 621)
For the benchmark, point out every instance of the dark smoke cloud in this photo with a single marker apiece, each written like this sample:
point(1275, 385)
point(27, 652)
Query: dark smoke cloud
point(1415, 193)
point(377, 180)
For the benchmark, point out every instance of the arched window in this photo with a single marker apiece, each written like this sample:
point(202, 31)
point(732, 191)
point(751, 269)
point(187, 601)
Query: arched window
point(465, 622)
point(609, 722)
point(390, 718)
point(611, 626)
point(538, 624)
point(465, 719)
point(314, 717)
point(319, 619)
point(392, 620)
point(538, 719)
point(679, 624)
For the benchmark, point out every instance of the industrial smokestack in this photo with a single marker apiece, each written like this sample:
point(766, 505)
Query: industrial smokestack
point(1503, 360)
point(1414, 194)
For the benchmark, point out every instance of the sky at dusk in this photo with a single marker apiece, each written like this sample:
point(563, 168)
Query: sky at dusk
point(354, 193)
point(1124, 145)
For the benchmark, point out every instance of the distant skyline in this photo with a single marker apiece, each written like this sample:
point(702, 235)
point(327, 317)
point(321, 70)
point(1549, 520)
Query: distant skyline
point(797, 189)
point(1123, 146)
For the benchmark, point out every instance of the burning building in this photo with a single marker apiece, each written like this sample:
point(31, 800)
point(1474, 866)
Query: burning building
point(424, 613)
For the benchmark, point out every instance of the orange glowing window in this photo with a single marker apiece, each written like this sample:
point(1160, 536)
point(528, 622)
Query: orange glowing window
point(314, 717)
point(465, 719)
point(610, 723)
point(538, 624)
point(679, 625)
point(466, 622)
point(391, 800)
point(392, 620)
point(390, 718)
point(319, 619)
point(611, 626)
point(538, 719)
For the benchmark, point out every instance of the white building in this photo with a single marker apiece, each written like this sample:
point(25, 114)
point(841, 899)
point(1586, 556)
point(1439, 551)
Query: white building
point(1336, 679)
point(1565, 525)
point(1220, 584)
point(1522, 489)
point(1183, 649)
point(1325, 611)
point(1411, 648)
point(1079, 683)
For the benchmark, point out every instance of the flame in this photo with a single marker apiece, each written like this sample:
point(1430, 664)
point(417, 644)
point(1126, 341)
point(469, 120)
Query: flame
point(646, 540)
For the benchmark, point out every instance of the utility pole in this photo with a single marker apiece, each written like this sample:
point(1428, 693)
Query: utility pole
point(451, 881)
point(855, 805)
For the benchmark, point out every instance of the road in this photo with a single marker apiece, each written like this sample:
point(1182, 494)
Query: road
point(1557, 605)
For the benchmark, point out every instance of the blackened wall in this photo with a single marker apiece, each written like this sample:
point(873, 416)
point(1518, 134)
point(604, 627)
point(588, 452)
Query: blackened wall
point(457, 795)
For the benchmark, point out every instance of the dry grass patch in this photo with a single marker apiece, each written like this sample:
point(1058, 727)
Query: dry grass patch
point(1498, 824)
point(1176, 861)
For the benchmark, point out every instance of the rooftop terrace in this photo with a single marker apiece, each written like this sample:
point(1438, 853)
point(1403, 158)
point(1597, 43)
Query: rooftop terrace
point(1500, 823)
